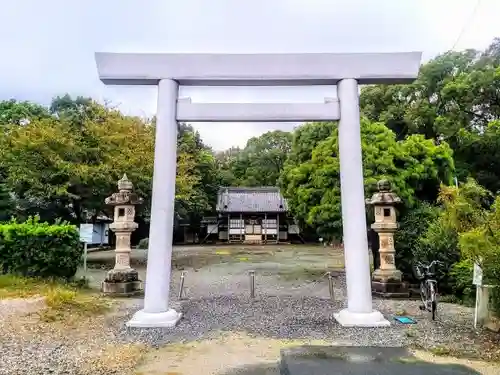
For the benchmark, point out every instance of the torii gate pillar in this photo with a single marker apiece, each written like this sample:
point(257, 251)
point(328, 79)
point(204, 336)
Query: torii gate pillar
point(168, 71)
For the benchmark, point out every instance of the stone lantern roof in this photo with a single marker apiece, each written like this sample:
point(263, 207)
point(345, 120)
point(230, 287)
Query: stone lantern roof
point(384, 196)
point(125, 194)
point(124, 184)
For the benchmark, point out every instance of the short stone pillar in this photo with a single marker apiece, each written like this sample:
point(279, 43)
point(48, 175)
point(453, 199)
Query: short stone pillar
point(123, 280)
point(387, 279)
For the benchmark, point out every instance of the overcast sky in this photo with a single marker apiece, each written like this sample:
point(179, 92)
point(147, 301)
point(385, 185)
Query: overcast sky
point(48, 46)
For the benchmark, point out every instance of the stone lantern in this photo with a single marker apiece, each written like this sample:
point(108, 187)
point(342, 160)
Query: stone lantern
point(122, 279)
point(387, 279)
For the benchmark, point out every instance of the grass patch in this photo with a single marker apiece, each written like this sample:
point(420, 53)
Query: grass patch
point(441, 351)
point(61, 299)
point(63, 302)
point(21, 287)
point(311, 274)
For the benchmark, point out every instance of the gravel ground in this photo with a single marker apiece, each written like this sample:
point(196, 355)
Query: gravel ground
point(217, 301)
point(17, 306)
point(80, 346)
point(298, 315)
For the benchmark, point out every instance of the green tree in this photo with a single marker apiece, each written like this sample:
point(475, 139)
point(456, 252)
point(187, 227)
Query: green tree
point(413, 225)
point(13, 112)
point(454, 99)
point(64, 164)
point(261, 161)
point(462, 211)
point(476, 147)
point(481, 244)
point(7, 203)
point(60, 171)
point(76, 111)
point(417, 108)
point(224, 160)
point(472, 101)
point(415, 166)
point(306, 138)
point(201, 175)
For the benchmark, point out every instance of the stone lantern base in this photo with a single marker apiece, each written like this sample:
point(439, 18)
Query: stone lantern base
point(122, 283)
point(388, 284)
point(390, 289)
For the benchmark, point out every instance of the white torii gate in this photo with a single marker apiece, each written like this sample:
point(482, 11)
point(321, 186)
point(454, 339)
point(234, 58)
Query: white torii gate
point(168, 71)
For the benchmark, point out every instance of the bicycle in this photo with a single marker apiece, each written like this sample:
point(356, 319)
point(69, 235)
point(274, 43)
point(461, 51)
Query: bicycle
point(428, 286)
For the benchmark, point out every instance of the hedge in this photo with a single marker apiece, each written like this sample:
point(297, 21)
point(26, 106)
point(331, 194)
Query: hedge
point(38, 249)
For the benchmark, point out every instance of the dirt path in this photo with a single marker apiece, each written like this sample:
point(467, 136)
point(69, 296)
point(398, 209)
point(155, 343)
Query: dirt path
point(221, 355)
point(239, 353)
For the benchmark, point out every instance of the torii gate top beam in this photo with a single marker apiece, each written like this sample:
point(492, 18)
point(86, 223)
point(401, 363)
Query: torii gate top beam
point(291, 69)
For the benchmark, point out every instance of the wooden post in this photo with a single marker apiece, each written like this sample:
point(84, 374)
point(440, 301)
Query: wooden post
point(265, 227)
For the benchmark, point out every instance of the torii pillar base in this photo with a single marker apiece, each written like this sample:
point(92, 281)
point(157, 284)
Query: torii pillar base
point(143, 319)
point(349, 319)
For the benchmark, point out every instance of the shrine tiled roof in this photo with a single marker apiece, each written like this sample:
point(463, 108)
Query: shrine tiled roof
point(254, 199)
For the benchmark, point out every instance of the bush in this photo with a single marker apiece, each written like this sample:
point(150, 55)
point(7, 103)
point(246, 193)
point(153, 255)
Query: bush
point(440, 242)
point(38, 249)
point(482, 245)
point(413, 225)
point(143, 244)
point(463, 209)
point(461, 281)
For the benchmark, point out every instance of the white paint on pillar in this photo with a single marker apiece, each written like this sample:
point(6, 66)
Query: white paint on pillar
point(359, 310)
point(156, 311)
